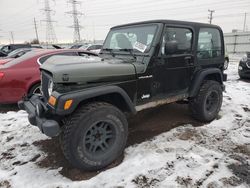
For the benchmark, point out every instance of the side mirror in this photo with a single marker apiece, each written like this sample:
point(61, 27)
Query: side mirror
point(171, 47)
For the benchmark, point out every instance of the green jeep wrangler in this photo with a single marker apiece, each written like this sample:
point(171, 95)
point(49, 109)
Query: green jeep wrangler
point(86, 100)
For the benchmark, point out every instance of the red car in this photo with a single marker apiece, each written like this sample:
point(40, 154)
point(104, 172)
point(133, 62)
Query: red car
point(21, 76)
point(4, 61)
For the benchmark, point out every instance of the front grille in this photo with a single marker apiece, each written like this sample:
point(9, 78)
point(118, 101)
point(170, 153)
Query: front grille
point(45, 77)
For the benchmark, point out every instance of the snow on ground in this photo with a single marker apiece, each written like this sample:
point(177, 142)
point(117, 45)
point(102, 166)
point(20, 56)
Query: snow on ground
point(213, 155)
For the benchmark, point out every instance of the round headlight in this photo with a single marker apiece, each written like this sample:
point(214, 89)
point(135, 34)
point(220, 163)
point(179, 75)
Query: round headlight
point(50, 87)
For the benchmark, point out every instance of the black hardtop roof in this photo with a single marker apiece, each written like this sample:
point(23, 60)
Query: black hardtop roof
point(175, 22)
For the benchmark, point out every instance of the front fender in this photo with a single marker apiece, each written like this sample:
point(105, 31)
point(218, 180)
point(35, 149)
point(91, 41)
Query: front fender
point(82, 95)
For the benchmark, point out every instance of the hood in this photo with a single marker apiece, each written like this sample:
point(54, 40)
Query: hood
point(84, 69)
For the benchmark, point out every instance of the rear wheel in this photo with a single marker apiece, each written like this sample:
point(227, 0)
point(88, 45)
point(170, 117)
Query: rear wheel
point(94, 136)
point(206, 105)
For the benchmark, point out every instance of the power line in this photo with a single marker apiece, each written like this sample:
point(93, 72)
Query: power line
point(50, 32)
point(76, 25)
point(164, 7)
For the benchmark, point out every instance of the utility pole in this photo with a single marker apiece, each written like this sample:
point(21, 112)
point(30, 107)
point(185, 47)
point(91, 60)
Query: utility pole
point(12, 37)
point(76, 25)
point(244, 25)
point(36, 30)
point(210, 15)
point(50, 32)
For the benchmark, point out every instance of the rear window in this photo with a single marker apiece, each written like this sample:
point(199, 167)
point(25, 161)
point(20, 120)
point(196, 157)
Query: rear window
point(26, 56)
point(41, 60)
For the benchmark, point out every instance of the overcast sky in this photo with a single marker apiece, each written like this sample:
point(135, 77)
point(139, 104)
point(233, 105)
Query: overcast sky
point(99, 15)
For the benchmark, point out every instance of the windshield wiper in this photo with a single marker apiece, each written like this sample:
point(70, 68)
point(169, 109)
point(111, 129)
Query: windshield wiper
point(109, 50)
point(128, 50)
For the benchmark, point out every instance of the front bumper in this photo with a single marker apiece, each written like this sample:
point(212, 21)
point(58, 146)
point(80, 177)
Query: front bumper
point(36, 109)
point(244, 72)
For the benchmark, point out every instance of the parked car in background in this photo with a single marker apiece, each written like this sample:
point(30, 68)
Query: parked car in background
point(226, 63)
point(96, 48)
point(14, 54)
point(21, 76)
point(36, 46)
point(5, 60)
point(76, 46)
point(2, 54)
point(17, 53)
point(244, 66)
point(11, 47)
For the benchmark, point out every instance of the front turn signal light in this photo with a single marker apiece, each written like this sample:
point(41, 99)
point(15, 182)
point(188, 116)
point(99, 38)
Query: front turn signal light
point(68, 104)
point(52, 100)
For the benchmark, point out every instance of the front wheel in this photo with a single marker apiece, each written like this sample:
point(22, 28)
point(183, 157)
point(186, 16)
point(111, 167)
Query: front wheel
point(206, 105)
point(94, 136)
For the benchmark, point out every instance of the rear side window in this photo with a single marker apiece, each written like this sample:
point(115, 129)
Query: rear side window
point(209, 43)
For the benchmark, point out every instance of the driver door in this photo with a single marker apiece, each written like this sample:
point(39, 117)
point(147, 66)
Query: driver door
point(173, 69)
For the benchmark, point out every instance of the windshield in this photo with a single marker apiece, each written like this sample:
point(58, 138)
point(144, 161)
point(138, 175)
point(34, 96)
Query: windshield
point(136, 38)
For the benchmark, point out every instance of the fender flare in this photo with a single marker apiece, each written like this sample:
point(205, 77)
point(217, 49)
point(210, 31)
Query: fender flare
point(79, 96)
point(200, 76)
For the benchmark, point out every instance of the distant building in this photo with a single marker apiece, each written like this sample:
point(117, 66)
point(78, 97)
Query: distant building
point(237, 41)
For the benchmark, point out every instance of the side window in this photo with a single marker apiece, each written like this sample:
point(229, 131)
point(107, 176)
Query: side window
point(209, 43)
point(176, 41)
point(43, 59)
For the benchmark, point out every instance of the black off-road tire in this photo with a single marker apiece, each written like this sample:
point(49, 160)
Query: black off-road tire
point(200, 107)
point(88, 126)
